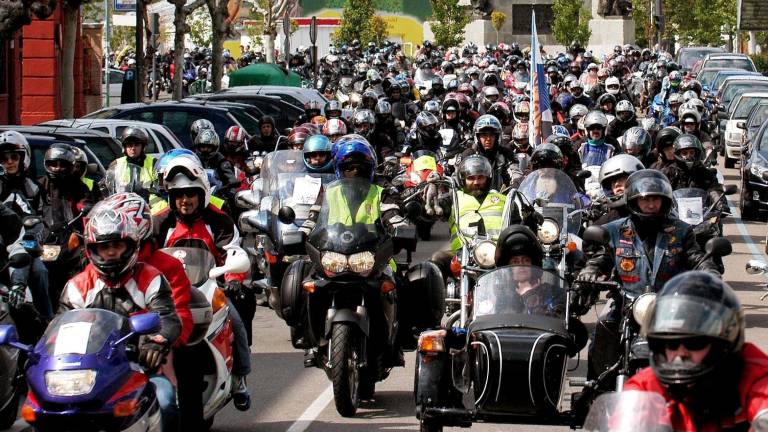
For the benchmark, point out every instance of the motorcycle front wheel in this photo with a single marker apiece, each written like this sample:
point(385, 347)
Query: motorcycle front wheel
point(344, 371)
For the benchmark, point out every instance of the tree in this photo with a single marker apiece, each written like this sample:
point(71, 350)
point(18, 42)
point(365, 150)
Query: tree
point(448, 22)
point(379, 29)
point(565, 30)
point(355, 22)
point(699, 22)
point(200, 31)
point(221, 27)
point(181, 11)
point(497, 20)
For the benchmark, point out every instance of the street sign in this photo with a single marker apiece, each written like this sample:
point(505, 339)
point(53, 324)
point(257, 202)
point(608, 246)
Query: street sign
point(752, 15)
point(125, 5)
point(313, 30)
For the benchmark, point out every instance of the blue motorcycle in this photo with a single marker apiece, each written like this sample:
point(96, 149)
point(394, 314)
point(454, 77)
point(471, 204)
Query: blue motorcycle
point(83, 376)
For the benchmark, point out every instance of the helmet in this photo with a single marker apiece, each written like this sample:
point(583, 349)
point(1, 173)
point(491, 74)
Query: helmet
point(334, 128)
point(106, 226)
point(578, 110)
point(60, 155)
point(491, 93)
point(298, 136)
point(500, 110)
point(666, 137)
point(81, 162)
point(433, 107)
point(560, 130)
point(675, 77)
point(615, 167)
point(687, 141)
point(649, 124)
point(474, 165)
point(186, 173)
point(561, 141)
point(383, 108)
point(13, 141)
point(522, 110)
point(312, 108)
point(606, 98)
point(625, 111)
point(637, 142)
point(133, 133)
point(168, 156)
point(318, 144)
point(333, 109)
point(132, 205)
point(675, 99)
point(689, 94)
point(595, 118)
point(487, 123)
point(694, 304)
point(363, 118)
point(427, 125)
point(612, 85)
point(688, 111)
point(647, 183)
point(355, 151)
point(207, 138)
point(197, 126)
point(547, 155)
point(369, 99)
point(518, 240)
point(235, 139)
point(699, 104)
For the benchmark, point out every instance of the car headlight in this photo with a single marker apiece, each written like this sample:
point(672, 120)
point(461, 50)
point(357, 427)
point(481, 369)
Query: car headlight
point(70, 382)
point(333, 262)
point(549, 231)
point(361, 262)
point(642, 307)
point(733, 136)
point(51, 252)
point(485, 254)
point(758, 168)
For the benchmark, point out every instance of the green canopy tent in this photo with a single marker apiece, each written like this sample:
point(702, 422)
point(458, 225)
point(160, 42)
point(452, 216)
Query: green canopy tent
point(264, 74)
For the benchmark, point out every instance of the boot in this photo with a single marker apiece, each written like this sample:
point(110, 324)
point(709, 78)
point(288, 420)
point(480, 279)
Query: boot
point(241, 397)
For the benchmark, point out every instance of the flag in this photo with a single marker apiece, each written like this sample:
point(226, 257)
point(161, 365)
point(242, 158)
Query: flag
point(540, 126)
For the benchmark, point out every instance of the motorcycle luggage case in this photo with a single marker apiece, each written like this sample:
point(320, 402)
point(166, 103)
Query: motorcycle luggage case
point(421, 303)
point(517, 371)
point(202, 315)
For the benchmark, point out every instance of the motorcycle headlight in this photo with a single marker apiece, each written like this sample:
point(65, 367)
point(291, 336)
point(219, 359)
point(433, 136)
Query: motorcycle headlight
point(70, 382)
point(485, 254)
point(333, 262)
point(361, 262)
point(549, 231)
point(642, 307)
point(51, 252)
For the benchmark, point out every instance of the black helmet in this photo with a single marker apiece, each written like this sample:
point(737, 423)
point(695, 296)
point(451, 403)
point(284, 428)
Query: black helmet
point(606, 98)
point(59, 155)
point(563, 142)
point(637, 142)
point(647, 183)
point(518, 240)
point(698, 307)
point(427, 125)
point(333, 109)
point(547, 155)
point(666, 137)
point(474, 165)
point(132, 133)
point(687, 141)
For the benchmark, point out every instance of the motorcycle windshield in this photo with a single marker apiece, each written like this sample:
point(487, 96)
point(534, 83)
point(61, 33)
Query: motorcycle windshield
point(299, 191)
point(277, 162)
point(348, 222)
point(523, 291)
point(627, 411)
point(196, 261)
point(690, 204)
point(127, 181)
point(81, 332)
point(554, 195)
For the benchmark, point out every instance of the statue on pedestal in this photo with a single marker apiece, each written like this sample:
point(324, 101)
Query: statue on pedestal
point(481, 9)
point(621, 8)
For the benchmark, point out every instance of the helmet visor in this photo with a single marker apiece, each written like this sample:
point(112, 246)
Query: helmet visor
point(689, 315)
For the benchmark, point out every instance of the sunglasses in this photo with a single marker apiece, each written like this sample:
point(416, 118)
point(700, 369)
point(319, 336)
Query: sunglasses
point(5, 157)
point(57, 164)
point(690, 344)
point(351, 167)
point(187, 193)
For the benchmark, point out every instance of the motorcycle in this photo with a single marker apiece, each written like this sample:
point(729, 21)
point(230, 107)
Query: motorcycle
point(62, 246)
point(520, 332)
point(83, 375)
point(422, 168)
point(350, 297)
point(212, 325)
point(627, 411)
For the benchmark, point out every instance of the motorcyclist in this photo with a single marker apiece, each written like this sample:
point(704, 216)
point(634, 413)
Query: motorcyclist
point(645, 249)
point(197, 126)
point(689, 170)
point(386, 124)
point(206, 146)
point(575, 114)
point(607, 104)
point(191, 220)
point(636, 141)
point(710, 377)
point(80, 170)
point(625, 119)
point(690, 123)
point(426, 135)
point(65, 195)
point(576, 96)
point(451, 116)
point(115, 281)
point(664, 147)
point(236, 151)
point(317, 154)
point(571, 161)
point(487, 131)
point(334, 129)
point(135, 161)
point(613, 179)
point(670, 115)
point(596, 147)
point(268, 137)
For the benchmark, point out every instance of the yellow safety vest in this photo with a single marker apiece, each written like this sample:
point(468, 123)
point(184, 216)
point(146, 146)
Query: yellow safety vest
point(217, 202)
point(88, 182)
point(490, 210)
point(158, 204)
point(146, 175)
point(339, 212)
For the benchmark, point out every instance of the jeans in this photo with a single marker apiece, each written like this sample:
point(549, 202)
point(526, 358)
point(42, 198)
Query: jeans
point(166, 398)
point(35, 277)
point(241, 362)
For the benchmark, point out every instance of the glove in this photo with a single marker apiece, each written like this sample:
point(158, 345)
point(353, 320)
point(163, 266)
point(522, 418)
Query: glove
point(589, 275)
point(233, 287)
point(153, 351)
point(17, 296)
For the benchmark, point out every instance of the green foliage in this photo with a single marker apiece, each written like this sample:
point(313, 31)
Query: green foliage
point(699, 22)
point(355, 22)
point(498, 19)
point(643, 28)
point(564, 28)
point(448, 22)
point(379, 29)
point(200, 30)
point(761, 62)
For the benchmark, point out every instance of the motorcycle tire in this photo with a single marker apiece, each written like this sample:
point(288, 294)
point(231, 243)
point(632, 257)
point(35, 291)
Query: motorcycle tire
point(424, 230)
point(428, 426)
point(344, 371)
point(8, 413)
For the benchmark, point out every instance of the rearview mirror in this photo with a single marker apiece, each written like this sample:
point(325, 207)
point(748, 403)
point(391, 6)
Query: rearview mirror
point(286, 215)
point(8, 336)
point(756, 267)
point(145, 323)
point(741, 125)
point(718, 247)
point(584, 174)
point(236, 261)
point(246, 199)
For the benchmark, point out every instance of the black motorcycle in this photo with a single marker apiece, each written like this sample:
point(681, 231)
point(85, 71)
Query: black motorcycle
point(62, 246)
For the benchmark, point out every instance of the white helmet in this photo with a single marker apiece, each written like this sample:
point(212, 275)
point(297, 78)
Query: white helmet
point(13, 141)
point(612, 82)
point(185, 173)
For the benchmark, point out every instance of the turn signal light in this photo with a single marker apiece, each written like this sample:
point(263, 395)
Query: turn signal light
point(270, 258)
point(28, 413)
point(387, 286)
point(455, 267)
point(405, 160)
point(73, 242)
point(309, 287)
point(571, 246)
point(432, 341)
point(125, 408)
point(219, 300)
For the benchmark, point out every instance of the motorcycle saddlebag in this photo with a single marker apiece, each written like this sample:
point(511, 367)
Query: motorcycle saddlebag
point(517, 372)
point(293, 300)
point(421, 302)
point(202, 315)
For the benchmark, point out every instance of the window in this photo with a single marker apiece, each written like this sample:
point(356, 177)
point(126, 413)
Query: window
point(165, 143)
point(147, 116)
point(102, 129)
point(151, 145)
point(102, 148)
point(103, 114)
point(250, 124)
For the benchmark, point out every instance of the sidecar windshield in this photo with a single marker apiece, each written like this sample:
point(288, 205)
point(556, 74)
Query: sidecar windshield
point(279, 162)
point(525, 290)
point(82, 331)
point(349, 219)
point(553, 194)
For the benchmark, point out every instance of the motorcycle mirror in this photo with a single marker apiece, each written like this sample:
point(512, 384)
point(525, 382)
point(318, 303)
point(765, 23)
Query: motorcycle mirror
point(398, 181)
point(31, 221)
point(145, 323)
point(596, 234)
point(8, 336)
point(584, 174)
point(286, 215)
point(92, 168)
point(718, 247)
point(246, 199)
point(19, 260)
point(756, 267)
point(253, 165)
point(413, 210)
point(731, 189)
point(236, 261)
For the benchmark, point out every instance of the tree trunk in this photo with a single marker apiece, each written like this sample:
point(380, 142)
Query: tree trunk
point(220, 30)
point(180, 24)
point(269, 47)
point(68, 61)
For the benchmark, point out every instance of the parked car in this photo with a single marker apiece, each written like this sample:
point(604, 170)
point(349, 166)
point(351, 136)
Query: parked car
point(161, 139)
point(687, 57)
point(705, 76)
point(179, 116)
point(727, 60)
point(284, 113)
point(737, 113)
point(754, 176)
point(719, 79)
point(115, 85)
point(756, 117)
point(297, 96)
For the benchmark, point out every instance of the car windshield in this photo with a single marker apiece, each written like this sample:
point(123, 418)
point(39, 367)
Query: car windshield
point(82, 331)
point(721, 77)
point(196, 261)
point(689, 57)
point(735, 63)
point(744, 106)
point(737, 88)
point(759, 115)
point(102, 114)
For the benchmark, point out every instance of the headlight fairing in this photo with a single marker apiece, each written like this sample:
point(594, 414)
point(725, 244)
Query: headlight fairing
point(361, 262)
point(333, 262)
point(70, 382)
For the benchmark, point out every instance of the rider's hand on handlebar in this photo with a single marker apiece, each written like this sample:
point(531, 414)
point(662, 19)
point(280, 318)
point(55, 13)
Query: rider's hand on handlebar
point(153, 351)
point(233, 287)
point(17, 296)
point(590, 275)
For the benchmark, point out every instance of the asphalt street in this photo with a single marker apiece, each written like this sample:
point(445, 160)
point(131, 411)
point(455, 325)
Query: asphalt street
point(288, 397)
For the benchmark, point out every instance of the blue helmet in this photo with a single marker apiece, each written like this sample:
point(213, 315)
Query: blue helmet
point(318, 144)
point(560, 130)
point(355, 150)
point(168, 156)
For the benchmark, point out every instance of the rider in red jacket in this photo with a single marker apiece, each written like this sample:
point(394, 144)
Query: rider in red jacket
point(710, 378)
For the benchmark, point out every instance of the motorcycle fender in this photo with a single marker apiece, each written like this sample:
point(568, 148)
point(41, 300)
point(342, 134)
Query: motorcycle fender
point(358, 317)
point(431, 380)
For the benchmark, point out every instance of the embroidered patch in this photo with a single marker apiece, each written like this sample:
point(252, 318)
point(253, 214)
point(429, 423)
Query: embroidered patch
point(495, 199)
point(627, 264)
point(627, 232)
point(630, 279)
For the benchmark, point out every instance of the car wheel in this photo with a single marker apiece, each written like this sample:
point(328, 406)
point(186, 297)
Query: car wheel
point(747, 209)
